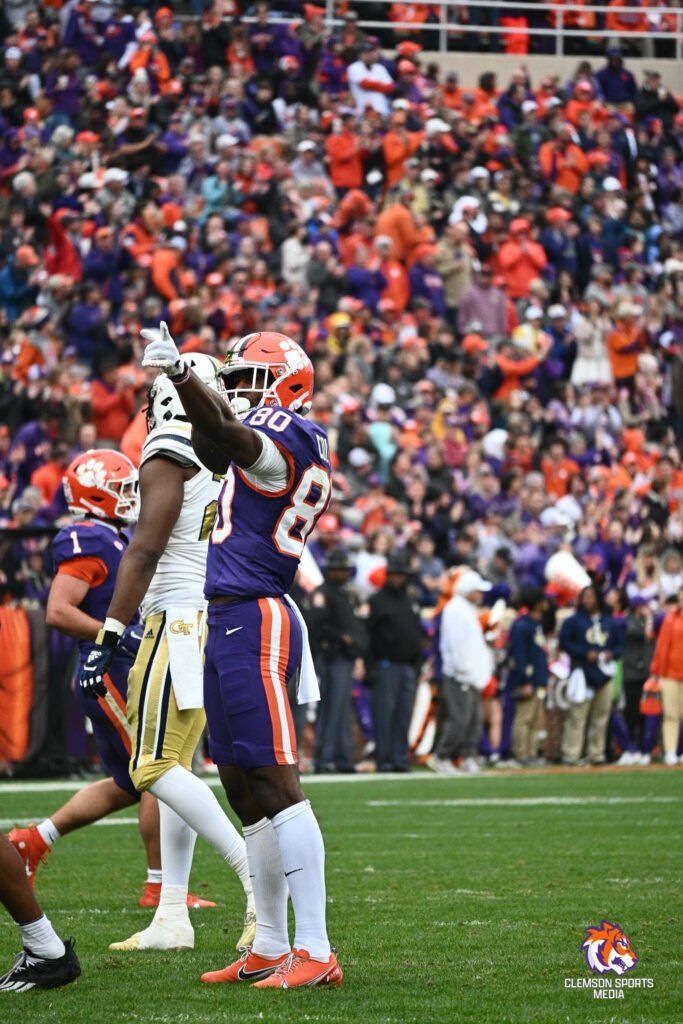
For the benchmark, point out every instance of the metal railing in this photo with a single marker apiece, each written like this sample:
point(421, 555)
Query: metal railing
point(445, 28)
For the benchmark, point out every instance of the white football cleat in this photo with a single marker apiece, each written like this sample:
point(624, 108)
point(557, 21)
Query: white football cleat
point(471, 766)
point(643, 759)
point(670, 759)
point(162, 933)
point(628, 758)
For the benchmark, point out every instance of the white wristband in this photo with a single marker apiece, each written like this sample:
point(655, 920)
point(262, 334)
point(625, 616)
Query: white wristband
point(113, 626)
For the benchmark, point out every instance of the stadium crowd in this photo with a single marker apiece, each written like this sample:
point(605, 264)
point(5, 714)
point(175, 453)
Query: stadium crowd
point(488, 277)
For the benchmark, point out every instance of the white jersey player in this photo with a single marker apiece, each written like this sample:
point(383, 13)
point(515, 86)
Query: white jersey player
point(165, 573)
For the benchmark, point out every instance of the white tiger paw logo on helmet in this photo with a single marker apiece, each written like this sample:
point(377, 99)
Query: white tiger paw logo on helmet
point(92, 473)
point(292, 353)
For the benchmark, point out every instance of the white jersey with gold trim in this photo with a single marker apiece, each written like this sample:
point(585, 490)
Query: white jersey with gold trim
point(181, 570)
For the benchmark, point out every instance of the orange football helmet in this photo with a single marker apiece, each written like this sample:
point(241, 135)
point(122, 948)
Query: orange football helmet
point(102, 483)
point(281, 372)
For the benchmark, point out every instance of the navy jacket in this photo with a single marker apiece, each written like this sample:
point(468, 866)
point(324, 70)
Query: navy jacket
point(580, 634)
point(528, 663)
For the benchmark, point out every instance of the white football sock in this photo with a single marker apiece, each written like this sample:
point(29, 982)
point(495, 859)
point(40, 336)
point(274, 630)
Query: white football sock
point(41, 938)
point(177, 846)
point(48, 832)
point(270, 889)
point(154, 876)
point(303, 858)
point(194, 802)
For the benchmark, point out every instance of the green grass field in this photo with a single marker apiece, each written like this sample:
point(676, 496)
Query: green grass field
point(449, 900)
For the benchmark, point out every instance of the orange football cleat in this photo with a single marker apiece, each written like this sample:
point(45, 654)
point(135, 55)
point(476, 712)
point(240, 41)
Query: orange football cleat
point(152, 894)
point(31, 847)
point(249, 967)
point(300, 970)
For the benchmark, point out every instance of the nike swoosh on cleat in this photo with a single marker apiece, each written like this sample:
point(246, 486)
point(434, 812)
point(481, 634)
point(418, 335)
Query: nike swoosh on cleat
point(236, 628)
point(263, 972)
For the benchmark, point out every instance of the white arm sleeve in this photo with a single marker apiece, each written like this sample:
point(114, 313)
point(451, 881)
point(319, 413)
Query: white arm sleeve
point(270, 472)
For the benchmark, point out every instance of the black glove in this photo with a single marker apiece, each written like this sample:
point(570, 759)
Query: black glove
point(97, 663)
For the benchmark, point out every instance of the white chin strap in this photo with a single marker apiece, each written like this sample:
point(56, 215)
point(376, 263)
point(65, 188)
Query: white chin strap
point(239, 407)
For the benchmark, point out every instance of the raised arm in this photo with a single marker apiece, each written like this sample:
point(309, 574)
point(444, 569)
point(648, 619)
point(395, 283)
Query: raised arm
point(206, 409)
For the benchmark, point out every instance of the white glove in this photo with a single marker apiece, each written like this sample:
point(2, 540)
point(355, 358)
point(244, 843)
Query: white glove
point(162, 351)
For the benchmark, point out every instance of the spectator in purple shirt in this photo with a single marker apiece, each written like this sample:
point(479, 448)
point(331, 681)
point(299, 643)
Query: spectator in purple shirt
point(425, 280)
point(174, 141)
point(363, 283)
point(64, 89)
point(82, 34)
point(265, 40)
point(616, 83)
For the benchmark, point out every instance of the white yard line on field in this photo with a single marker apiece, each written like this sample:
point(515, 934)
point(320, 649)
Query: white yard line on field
point(525, 801)
point(71, 786)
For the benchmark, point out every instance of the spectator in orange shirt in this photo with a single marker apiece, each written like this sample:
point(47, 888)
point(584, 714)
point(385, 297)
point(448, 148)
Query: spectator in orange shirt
point(112, 402)
point(667, 665)
point(48, 477)
point(451, 93)
point(398, 286)
point(398, 222)
point(557, 468)
point(584, 99)
point(520, 260)
point(152, 59)
point(397, 145)
point(515, 365)
point(345, 156)
point(165, 268)
point(619, 21)
point(625, 343)
point(562, 162)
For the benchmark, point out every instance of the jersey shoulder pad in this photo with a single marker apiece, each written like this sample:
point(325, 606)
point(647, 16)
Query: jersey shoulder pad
point(86, 540)
point(173, 440)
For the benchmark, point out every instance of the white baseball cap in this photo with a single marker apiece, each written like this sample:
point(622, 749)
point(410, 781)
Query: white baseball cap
point(471, 582)
point(226, 139)
point(435, 125)
point(533, 313)
point(611, 185)
point(115, 174)
point(528, 106)
point(304, 146)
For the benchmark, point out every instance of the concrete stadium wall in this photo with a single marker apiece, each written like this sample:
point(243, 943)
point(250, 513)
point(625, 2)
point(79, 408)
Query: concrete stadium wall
point(470, 65)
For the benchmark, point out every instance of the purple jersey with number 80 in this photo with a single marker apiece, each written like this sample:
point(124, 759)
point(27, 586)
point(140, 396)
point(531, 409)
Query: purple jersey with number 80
point(258, 536)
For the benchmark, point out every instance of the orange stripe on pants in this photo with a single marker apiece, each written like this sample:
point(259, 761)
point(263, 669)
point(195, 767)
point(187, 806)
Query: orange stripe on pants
point(272, 673)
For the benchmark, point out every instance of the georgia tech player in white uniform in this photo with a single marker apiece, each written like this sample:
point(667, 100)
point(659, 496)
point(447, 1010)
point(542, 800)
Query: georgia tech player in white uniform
point(165, 573)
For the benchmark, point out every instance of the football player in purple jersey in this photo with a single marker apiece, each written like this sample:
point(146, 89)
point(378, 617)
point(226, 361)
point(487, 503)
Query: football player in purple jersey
point(102, 486)
point(277, 483)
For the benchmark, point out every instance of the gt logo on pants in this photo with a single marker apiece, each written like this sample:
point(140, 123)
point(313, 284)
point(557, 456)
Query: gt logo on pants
point(181, 627)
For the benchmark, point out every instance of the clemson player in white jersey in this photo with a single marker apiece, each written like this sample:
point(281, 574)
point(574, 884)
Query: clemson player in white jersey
point(164, 569)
